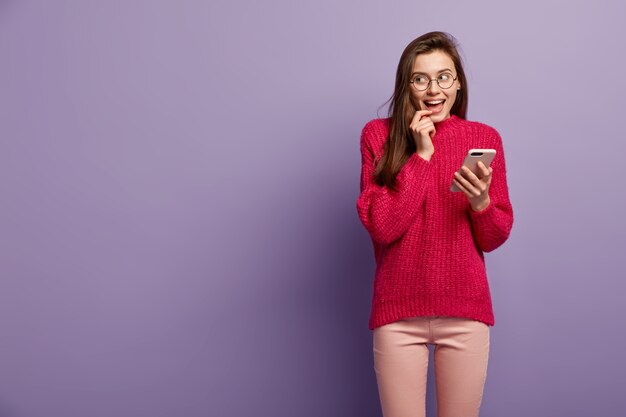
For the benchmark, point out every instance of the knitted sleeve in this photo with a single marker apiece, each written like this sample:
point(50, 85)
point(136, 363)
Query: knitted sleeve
point(491, 226)
point(387, 214)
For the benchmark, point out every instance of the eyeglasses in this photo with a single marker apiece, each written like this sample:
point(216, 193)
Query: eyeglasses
point(421, 82)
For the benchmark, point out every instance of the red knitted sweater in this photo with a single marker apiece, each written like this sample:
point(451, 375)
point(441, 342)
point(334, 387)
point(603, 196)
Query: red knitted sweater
point(428, 241)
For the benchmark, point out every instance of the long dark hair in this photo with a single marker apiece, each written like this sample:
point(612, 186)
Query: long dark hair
point(400, 145)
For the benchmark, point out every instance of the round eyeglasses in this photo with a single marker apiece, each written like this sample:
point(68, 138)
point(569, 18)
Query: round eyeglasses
point(421, 82)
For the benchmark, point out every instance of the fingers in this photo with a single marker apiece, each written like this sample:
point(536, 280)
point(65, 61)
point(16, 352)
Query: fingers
point(420, 113)
point(424, 127)
point(469, 188)
point(476, 189)
point(462, 188)
point(486, 172)
point(421, 124)
point(421, 119)
point(472, 185)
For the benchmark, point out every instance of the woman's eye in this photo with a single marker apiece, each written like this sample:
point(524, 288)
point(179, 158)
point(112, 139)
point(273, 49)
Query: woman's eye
point(445, 77)
point(420, 79)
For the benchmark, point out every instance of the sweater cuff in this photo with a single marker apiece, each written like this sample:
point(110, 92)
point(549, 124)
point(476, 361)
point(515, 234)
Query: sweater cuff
point(485, 215)
point(417, 161)
point(414, 165)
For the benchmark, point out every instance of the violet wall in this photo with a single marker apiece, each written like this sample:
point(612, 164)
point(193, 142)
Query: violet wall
point(178, 183)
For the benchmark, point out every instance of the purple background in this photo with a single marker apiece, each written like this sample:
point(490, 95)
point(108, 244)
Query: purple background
point(178, 184)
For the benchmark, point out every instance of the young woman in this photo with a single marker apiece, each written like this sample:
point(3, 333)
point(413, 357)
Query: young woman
point(430, 285)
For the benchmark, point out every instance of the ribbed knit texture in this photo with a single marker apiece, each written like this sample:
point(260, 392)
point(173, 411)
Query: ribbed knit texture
point(428, 241)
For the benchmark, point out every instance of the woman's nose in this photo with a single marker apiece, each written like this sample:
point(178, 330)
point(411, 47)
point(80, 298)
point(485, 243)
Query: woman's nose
point(433, 87)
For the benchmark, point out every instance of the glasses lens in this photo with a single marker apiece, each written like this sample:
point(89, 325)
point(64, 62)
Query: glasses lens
point(445, 80)
point(420, 82)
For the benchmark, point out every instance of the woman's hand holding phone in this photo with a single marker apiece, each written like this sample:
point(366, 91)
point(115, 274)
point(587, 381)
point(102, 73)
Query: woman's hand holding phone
point(422, 129)
point(475, 187)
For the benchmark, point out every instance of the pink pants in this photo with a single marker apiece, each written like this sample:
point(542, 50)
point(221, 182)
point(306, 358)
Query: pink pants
point(401, 365)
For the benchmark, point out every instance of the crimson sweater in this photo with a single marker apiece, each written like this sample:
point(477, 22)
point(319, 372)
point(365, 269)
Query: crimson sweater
point(428, 241)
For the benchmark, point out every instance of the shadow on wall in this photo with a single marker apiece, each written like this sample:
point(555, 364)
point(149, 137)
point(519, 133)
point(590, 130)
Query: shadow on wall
point(5, 411)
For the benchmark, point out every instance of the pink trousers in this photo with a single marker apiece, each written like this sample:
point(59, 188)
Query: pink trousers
point(401, 365)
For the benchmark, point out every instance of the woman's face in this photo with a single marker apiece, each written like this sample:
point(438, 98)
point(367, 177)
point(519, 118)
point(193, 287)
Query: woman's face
point(431, 65)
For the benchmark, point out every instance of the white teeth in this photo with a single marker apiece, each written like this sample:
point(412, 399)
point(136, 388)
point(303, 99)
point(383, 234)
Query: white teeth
point(434, 102)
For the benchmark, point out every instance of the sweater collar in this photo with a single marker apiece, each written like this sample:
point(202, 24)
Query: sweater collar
point(449, 122)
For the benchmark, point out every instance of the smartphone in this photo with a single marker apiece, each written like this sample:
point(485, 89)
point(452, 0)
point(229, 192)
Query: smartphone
point(471, 161)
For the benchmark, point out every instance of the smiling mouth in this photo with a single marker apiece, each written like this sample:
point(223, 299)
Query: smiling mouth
point(434, 105)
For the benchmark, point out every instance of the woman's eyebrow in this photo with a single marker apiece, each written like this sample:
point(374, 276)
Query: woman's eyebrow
point(440, 71)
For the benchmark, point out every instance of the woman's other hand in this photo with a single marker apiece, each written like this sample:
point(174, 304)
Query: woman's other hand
point(422, 129)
